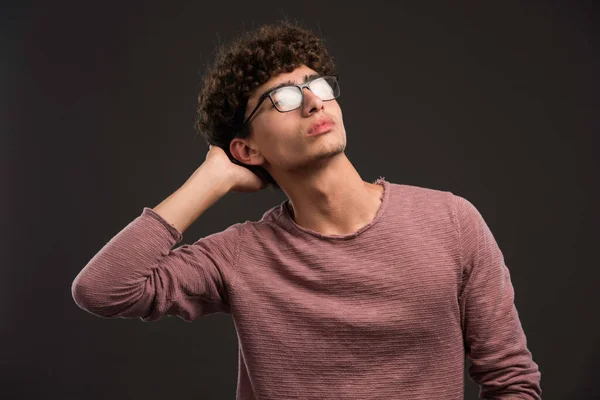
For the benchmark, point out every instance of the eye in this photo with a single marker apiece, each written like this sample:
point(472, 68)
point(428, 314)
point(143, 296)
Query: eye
point(322, 88)
point(287, 98)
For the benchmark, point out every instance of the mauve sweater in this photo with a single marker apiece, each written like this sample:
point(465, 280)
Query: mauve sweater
point(387, 312)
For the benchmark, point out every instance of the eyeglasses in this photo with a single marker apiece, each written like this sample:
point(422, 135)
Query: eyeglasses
point(290, 97)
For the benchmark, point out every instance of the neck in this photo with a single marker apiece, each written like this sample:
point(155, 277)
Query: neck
point(332, 199)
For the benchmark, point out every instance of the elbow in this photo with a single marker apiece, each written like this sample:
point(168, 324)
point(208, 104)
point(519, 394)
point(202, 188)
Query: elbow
point(86, 299)
point(129, 303)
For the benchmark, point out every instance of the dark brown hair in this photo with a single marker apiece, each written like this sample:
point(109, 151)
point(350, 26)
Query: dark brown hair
point(250, 60)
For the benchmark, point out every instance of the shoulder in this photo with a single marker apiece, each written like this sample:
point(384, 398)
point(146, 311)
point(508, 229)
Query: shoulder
point(269, 222)
point(435, 199)
point(423, 199)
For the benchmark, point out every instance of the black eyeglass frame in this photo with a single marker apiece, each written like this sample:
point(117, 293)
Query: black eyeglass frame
point(301, 86)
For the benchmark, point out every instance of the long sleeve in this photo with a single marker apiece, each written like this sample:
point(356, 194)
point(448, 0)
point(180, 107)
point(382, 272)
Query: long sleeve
point(495, 342)
point(138, 274)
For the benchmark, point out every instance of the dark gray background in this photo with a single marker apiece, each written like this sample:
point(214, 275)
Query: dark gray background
point(496, 103)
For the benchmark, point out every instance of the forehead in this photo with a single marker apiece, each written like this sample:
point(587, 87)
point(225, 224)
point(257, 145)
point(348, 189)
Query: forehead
point(296, 76)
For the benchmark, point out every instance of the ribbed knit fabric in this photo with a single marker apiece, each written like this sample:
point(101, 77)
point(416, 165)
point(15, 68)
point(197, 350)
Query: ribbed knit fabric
point(388, 312)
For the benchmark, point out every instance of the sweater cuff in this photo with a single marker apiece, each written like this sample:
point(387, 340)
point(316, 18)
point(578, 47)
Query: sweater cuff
point(178, 236)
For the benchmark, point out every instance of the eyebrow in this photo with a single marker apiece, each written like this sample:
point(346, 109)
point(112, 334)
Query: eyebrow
point(290, 82)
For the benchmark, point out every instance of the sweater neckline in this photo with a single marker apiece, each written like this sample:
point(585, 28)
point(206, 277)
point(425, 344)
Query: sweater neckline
point(289, 221)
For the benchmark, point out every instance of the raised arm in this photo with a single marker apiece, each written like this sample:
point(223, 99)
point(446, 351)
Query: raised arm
point(138, 274)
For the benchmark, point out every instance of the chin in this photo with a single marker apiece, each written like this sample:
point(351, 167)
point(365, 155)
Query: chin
point(331, 151)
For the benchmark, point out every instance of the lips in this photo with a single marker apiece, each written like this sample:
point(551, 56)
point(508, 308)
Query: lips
point(321, 126)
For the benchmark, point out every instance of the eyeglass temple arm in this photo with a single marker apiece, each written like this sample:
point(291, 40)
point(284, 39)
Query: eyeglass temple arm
point(255, 109)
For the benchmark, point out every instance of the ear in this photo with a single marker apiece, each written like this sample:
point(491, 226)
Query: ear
point(244, 152)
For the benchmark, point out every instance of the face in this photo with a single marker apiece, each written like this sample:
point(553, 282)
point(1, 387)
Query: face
point(288, 142)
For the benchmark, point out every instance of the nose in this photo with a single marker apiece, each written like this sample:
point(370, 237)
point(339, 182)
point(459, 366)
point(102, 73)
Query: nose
point(312, 102)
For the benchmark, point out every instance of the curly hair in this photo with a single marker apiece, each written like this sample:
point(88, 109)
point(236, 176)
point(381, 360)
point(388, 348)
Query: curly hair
point(250, 60)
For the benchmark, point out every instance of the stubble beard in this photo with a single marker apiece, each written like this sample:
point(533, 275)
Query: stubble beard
point(323, 156)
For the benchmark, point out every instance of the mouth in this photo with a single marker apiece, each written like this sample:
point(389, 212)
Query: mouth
point(321, 126)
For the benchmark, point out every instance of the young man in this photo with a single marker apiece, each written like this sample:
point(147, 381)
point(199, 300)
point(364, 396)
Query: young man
point(348, 289)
